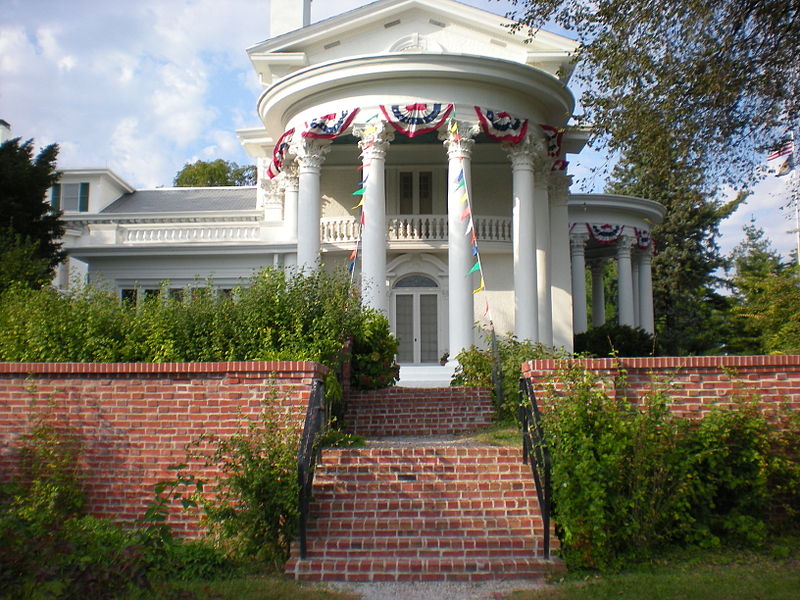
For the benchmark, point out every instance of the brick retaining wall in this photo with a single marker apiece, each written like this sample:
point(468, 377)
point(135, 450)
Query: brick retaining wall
point(136, 419)
point(695, 384)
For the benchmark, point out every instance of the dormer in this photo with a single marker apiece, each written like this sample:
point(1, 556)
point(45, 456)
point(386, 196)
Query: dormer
point(86, 190)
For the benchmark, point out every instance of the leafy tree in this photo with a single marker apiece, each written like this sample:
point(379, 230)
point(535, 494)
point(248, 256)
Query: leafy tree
point(724, 75)
point(29, 230)
point(685, 299)
point(765, 315)
point(214, 173)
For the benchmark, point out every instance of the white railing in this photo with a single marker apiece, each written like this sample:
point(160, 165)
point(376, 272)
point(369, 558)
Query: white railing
point(177, 235)
point(401, 228)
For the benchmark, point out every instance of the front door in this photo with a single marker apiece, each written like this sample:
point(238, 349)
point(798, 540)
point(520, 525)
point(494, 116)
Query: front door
point(416, 312)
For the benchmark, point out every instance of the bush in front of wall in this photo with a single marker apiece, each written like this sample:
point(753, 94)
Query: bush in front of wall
point(374, 349)
point(611, 339)
point(279, 315)
point(630, 480)
point(474, 369)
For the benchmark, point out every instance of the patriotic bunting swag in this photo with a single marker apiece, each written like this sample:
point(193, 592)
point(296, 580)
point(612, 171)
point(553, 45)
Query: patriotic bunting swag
point(501, 126)
point(643, 239)
point(279, 153)
point(415, 119)
point(554, 137)
point(605, 234)
point(330, 126)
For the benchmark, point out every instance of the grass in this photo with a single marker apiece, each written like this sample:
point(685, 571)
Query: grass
point(499, 434)
point(264, 587)
point(743, 576)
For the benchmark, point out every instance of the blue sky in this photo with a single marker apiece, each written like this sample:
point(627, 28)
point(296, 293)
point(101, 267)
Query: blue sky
point(145, 86)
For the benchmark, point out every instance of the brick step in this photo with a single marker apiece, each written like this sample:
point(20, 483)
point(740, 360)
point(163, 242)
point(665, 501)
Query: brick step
point(399, 512)
point(452, 490)
point(402, 545)
point(458, 526)
point(419, 411)
point(420, 569)
point(330, 510)
point(435, 504)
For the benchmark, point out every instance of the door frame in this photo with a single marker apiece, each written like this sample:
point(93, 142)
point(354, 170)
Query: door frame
point(430, 266)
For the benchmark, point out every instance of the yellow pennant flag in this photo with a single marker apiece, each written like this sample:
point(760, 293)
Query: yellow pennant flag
point(481, 287)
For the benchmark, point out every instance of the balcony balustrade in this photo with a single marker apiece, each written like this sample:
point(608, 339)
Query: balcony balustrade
point(413, 228)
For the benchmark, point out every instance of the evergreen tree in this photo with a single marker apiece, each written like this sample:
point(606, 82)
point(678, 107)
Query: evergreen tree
point(30, 232)
point(685, 299)
point(765, 301)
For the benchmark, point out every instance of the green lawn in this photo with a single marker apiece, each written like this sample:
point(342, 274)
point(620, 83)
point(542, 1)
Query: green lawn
point(751, 578)
point(268, 587)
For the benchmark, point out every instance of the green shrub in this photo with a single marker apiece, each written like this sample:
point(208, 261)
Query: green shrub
point(611, 339)
point(254, 512)
point(279, 315)
point(374, 348)
point(630, 480)
point(474, 369)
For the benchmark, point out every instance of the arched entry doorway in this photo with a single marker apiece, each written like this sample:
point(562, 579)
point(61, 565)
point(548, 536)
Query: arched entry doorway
point(415, 300)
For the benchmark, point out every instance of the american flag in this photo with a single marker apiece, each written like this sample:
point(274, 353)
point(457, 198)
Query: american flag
point(787, 147)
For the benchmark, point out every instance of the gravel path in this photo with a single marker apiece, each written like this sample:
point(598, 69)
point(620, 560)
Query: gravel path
point(439, 590)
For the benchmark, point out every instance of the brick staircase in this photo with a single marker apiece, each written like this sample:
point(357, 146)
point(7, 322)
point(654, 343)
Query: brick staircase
point(422, 509)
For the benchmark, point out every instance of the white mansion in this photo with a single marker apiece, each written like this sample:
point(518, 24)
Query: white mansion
point(420, 144)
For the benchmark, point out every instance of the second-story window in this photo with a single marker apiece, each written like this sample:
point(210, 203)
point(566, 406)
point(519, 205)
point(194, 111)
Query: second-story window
point(415, 193)
point(70, 197)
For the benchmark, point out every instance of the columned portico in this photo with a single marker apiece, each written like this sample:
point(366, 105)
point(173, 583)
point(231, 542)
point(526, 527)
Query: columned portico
point(526, 301)
point(459, 144)
point(310, 156)
point(374, 143)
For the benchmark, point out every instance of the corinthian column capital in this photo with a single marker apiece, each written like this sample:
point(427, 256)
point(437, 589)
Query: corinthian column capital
point(374, 139)
point(459, 139)
point(310, 153)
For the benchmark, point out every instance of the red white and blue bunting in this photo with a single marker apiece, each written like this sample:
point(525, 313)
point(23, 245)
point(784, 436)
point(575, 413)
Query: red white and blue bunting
point(331, 125)
point(279, 153)
point(501, 126)
point(605, 233)
point(643, 238)
point(416, 119)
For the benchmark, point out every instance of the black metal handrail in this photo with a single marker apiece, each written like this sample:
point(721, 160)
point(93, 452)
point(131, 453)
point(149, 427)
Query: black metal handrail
point(535, 451)
point(309, 454)
point(497, 372)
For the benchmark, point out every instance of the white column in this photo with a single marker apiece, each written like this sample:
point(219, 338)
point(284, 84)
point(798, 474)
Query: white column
point(578, 269)
point(559, 260)
point(374, 144)
point(526, 317)
point(310, 156)
point(646, 317)
point(542, 212)
point(291, 186)
point(459, 146)
point(635, 279)
point(598, 268)
point(624, 281)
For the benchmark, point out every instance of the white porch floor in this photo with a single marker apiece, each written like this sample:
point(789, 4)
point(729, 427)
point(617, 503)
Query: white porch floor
point(426, 375)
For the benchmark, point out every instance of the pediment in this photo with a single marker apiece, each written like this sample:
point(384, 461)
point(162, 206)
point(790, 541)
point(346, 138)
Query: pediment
point(409, 26)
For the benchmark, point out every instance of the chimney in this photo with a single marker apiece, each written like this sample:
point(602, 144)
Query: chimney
point(288, 15)
point(5, 131)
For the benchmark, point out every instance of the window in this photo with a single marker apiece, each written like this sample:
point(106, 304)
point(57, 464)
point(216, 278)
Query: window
point(415, 192)
point(70, 197)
